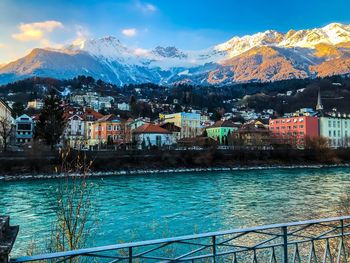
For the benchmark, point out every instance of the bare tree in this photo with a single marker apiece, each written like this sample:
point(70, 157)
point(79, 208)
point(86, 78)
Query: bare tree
point(73, 205)
point(6, 129)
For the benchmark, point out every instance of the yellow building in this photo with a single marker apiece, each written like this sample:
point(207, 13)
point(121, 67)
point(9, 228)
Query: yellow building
point(190, 123)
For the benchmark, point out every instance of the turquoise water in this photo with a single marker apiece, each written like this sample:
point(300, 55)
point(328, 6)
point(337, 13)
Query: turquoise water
point(142, 207)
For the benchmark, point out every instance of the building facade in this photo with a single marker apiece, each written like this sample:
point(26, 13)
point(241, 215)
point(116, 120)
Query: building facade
point(150, 135)
point(221, 130)
point(6, 124)
point(336, 129)
point(93, 100)
point(36, 104)
point(189, 123)
point(108, 130)
point(74, 132)
point(24, 129)
point(294, 130)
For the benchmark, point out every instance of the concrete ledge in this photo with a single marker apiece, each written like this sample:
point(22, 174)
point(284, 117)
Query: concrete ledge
point(8, 236)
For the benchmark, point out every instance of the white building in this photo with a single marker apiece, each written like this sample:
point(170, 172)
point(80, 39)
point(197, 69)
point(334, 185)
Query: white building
point(24, 129)
point(149, 135)
point(93, 100)
point(123, 106)
point(7, 123)
point(335, 128)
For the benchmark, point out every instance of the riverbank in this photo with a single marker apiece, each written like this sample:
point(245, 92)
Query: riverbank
point(165, 171)
point(42, 165)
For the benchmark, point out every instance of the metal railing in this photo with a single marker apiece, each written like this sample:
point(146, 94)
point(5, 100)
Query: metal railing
point(324, 240)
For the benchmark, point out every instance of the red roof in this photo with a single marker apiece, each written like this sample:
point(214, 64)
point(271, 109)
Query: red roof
point(109, 118)
point(96, 115)
point(150, 128)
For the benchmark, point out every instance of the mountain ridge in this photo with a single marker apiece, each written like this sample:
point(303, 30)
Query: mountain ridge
point(264, 56)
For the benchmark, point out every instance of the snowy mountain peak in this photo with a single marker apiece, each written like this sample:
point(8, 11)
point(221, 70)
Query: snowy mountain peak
point(333, 33)
point(107, 47)
point(169, 52)
point(264, 56)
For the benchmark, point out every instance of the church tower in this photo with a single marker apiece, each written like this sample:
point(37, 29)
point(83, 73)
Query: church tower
point(319, 106)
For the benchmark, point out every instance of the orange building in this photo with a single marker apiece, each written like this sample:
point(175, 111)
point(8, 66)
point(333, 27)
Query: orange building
point(108, 130)
point(294, 130)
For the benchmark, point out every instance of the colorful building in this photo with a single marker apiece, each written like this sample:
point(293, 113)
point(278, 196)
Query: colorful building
point(294, 130)
point(252, 133)
point(108, 130)
point(335, 127)
point(149, 135)
point(221, 130)
point(24, 129)
point(190, 123)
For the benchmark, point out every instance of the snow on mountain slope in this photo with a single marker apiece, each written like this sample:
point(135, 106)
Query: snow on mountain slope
point(264, 56)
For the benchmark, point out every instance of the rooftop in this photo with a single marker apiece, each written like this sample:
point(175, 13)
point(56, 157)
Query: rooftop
point(151, 128)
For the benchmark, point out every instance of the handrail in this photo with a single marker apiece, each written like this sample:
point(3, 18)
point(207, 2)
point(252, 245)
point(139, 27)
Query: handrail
point(87, 251)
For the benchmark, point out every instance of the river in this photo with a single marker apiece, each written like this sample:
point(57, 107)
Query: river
point(139, 207)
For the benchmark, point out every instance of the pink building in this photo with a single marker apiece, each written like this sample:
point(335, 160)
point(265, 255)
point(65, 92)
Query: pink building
point(294, 130)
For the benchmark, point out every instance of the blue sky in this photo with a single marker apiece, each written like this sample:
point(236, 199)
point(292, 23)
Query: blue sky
point(25, 24)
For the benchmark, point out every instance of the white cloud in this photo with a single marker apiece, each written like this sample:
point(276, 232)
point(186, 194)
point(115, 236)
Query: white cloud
point(141, 52)
point(146, 7)
point(36, 31)
point(129, 32)
point(82, 34)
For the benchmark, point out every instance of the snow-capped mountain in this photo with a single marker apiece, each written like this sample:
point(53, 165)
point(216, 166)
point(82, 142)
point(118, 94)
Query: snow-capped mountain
point(264, 56)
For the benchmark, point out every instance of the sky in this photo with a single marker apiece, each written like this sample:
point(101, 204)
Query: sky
point(186, 24)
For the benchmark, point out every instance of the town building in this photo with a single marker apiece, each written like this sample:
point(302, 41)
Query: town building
point(89, 117)
point(108, 130)
point(123, 106)
point(150, 135)
point(294, 130)
point(93, 100)
point(221, 130)
point(252, 133)
point(36, 104)
point(175, 130)
point(189, 122)
point(24, 129)
point(335, 127)
point(6, 124)
point(78, 132)
point(74, 132)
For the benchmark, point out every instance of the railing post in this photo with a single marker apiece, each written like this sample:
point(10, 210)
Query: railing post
point(8, 236)
point(213, 239)
point(285, 244)
point(130, 254)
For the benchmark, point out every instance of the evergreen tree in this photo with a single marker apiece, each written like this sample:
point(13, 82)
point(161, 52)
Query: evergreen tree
point(17, 109)
point(51, 123)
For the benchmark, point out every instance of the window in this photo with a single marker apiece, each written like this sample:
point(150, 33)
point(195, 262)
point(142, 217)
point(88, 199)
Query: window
point(109, 127)
point(329, 133)
point(338, 124)
point(334, 124)
point(329, 124)
point(334, 134)
point(301, 126)
point(338, 133)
